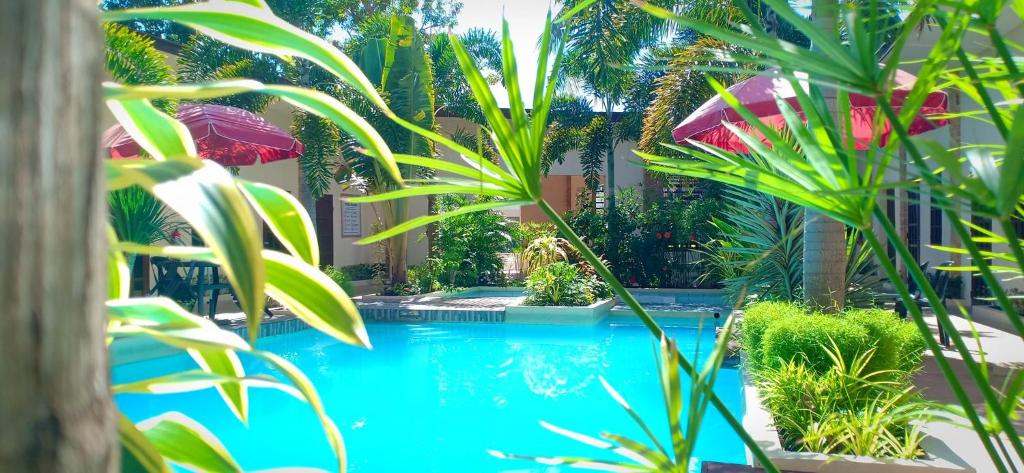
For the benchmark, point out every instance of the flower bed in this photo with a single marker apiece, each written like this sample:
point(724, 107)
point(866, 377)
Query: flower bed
point(837, 384)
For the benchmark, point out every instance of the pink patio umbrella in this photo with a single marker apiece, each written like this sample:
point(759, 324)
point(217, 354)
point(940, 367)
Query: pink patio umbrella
point(758, 94)
point(228, 135)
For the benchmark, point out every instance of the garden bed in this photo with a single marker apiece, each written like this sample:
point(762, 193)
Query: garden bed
point(758, 422)
point(559, 315)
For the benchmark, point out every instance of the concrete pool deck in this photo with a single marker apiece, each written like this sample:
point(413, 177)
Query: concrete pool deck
point(1004, 353)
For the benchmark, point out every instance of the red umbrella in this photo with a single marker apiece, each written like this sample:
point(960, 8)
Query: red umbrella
point(228, 135)
point(758, 95)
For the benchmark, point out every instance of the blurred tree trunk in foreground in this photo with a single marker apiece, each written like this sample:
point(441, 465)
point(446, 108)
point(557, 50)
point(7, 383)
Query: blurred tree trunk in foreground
point(56, 413)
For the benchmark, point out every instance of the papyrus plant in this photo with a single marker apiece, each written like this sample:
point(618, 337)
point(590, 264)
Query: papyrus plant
point(821, 170)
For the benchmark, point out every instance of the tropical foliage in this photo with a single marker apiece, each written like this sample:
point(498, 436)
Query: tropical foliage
point(222, 210)
point(837, 383)
point(467, 248)
point(816, 166)
point(759, 253)
point(653, 239)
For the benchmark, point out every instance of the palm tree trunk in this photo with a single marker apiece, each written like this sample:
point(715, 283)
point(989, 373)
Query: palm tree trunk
point(399, 244)
point(55, 403)
point(609, 188)
point(306, 197)
point(824, 238)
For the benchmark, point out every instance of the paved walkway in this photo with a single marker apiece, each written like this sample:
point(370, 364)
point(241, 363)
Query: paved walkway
point(1004, 353)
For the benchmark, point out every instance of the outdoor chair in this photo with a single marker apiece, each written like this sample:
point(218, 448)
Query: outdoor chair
point(939, 280)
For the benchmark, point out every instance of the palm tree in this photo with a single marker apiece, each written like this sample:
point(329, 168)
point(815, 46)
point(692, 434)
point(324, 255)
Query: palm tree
point(419, 77)
point(601, 41)
point(824, 237)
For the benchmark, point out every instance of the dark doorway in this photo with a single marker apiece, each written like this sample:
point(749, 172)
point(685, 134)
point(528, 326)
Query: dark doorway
point(325, 228)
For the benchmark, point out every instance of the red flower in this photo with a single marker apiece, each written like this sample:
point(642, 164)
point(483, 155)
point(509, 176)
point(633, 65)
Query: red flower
point(632, 279)
point(657, 235)
point(175, 235)
point(667, 235)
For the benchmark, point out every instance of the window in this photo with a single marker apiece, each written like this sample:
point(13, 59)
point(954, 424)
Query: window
point(935, 226)
point(914, 224)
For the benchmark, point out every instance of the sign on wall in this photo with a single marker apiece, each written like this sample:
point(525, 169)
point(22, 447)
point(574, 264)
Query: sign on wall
point(351, 220)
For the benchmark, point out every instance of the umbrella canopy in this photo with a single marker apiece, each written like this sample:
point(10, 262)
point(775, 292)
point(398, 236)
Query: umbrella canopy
point(228, 135)
point(758, 95)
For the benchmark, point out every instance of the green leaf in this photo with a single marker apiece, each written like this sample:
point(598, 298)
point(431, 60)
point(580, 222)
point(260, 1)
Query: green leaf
point(454, 168)
point(257, 29)
point(162, 319)
point(212, 349)
point(573, 11)
point(186, 442)
point(440, 188)
point(1011, 184)
point(156, 132)
point(138, 455)
point(118, 275)
point(286, 218)
point(428, 219)
point(301, 288)
point(145, 172)
point(636, 417)
point(225, 363)
point(216, 209)
point(195, 380)
point(307, 389)
point(315, 298)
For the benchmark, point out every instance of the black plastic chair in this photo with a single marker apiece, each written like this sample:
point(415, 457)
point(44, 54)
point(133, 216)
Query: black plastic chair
point(939, 280)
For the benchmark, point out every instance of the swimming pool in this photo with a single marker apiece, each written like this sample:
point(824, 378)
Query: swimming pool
point(435, 397)
point(669, 302)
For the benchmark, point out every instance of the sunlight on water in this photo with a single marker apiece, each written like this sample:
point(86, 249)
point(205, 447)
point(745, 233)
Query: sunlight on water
point(436, 397)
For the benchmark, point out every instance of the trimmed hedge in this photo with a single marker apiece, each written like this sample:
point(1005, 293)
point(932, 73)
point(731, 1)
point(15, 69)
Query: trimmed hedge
point(778, 332)
point(756, 320)
point(898, 344)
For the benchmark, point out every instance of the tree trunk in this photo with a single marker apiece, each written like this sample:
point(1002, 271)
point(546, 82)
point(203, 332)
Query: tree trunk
point(306, 196)
point(609, 189)
point(824, 238)
point(824, 261)
point(55, 405)
point(399, 244)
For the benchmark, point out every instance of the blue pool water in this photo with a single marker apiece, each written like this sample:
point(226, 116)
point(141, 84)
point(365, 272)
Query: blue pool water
point(685, 301)
point(436, 397)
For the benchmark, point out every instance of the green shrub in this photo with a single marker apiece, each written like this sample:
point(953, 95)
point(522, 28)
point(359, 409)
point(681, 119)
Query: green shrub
point(804, 338)
point(339, 277)
point(468, 245)
point(796, 333)
point(845, 409)
point(559, 284)
point(425, 277)
point(899, 346)
point(756, 320)
point(363, 271)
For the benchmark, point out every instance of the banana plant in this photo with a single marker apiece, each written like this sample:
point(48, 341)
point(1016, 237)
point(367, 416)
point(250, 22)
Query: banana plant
point(823, 171)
